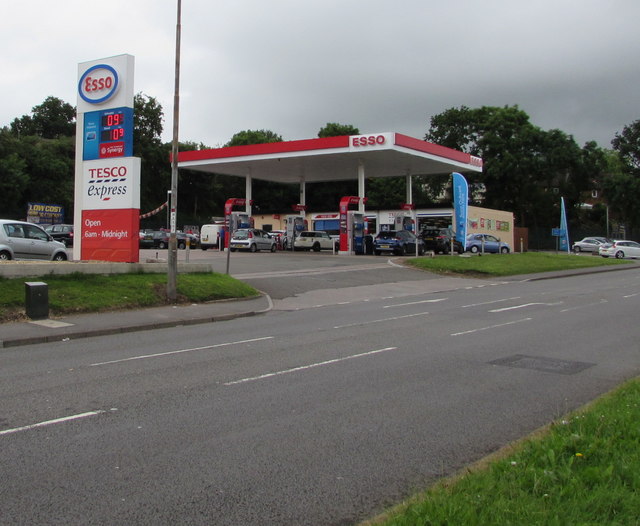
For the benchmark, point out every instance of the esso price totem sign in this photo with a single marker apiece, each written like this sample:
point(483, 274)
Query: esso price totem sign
point(107, 176)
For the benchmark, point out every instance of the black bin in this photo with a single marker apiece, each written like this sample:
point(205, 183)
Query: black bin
point(36, 299)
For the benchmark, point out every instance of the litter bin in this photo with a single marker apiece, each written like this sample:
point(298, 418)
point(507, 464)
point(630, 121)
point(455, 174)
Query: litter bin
point(36, 299)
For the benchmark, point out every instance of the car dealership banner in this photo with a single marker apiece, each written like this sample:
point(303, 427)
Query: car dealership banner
point(107, 180)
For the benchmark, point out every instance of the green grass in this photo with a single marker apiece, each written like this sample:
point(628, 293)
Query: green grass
point(92, 292)
point(509, 264)
point(581, 470)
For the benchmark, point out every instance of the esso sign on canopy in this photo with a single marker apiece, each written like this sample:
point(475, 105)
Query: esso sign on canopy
point(98, 84)
point(374, 140)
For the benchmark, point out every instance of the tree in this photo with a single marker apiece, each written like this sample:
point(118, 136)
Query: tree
point(52, 119)
point(526, 169)
point(246, 137)
point(14, 178)
point(622, 185)
point(333, 129)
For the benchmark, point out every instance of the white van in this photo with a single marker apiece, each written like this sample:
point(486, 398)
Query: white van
point(210, 236)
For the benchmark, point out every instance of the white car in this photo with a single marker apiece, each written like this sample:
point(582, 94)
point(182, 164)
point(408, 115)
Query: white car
point(251, 239)
point(313, 240)
point(620, 249)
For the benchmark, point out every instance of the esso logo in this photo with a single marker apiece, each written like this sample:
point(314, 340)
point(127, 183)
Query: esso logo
point(98, 84)
point(368, 140)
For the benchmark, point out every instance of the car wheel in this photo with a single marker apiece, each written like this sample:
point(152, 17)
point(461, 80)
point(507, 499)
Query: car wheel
point(162, 244)
point(182, 245)
point(473, 249)
point(619, 254)
point(577, 250)
point(5, 256)
point(377, 252)
point(253, 248)
point(273, 247)
point(420, 251)
point(316, 247)
point(60, 257)
point(232, 249)
point(504, 250)
point(402, 251)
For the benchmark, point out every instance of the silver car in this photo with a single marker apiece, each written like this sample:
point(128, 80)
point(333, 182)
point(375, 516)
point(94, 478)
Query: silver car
point(252, 239)
point(21, 240)
point(590, 244)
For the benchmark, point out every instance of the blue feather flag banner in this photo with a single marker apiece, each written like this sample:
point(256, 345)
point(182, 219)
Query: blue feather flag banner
point(564, 230)
point(460, 206)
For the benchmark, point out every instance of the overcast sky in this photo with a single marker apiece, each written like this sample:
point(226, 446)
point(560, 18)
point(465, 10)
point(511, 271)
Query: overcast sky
point(291, 66)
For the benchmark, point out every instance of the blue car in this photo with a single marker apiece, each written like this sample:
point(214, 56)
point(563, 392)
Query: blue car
point(399, 242)
point(486, 243)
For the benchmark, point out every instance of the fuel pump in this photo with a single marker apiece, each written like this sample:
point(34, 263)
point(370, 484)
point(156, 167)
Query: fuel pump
point(351, 226)
point(295, 225)
point(355, 227)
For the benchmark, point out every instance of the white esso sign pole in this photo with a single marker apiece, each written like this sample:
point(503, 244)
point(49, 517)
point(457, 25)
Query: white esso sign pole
point(107, 176)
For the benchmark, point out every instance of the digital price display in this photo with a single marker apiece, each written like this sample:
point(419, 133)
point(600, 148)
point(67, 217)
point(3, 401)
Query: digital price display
point(108, 133)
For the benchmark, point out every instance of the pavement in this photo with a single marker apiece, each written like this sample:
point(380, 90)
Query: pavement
point(99, 324)
point(76, 326)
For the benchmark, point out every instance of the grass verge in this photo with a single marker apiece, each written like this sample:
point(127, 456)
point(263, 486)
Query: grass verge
point(93, 292)
point(509, 264)
point(582, 470)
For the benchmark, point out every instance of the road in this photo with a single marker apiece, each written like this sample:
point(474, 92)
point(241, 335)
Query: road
point(322, 412)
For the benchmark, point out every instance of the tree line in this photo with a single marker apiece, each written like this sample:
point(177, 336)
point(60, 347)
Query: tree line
point(526, 169)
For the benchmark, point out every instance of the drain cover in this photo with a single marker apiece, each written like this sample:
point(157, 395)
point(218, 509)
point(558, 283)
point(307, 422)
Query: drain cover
point(540, 363)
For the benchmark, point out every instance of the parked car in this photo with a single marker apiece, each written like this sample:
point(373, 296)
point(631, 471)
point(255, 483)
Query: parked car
point(146, 238)
point(479, 242)
point(281, 238)
point(439, 240)
point(400, 242)
point(251, 239)
point(620, 249)
point(62, 233)
point(161, 240)
point(315, 240)
point(590, 244)
point(21, 240)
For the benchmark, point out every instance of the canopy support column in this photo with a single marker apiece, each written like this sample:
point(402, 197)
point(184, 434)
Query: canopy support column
point(248, 193)
point(361, 186)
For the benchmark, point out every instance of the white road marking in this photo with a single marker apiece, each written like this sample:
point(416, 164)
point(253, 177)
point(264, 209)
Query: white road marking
point(310, 366)
point(584, 306)
point(491, 327)
point(180, 351)
point(631, 295)
point(414, 303)
point(51, 422)
point(378, 321)
point(525, 305)
point(489, 302)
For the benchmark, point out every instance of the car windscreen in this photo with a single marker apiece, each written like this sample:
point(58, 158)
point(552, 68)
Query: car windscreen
point(386, 235)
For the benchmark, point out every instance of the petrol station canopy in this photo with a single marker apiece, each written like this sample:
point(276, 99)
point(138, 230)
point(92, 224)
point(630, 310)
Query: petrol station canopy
point(331, 159)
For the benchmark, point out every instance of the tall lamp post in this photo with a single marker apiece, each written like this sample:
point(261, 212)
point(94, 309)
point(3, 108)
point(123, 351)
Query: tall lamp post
point(172, 260)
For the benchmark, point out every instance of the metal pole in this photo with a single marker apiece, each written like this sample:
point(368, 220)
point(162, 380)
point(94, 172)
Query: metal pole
point(172, 260)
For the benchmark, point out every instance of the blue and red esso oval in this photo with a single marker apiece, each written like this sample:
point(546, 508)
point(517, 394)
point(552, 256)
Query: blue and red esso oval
point(98, 84)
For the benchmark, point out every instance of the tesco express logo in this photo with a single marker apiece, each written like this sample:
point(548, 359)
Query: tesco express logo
point(98, 84)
